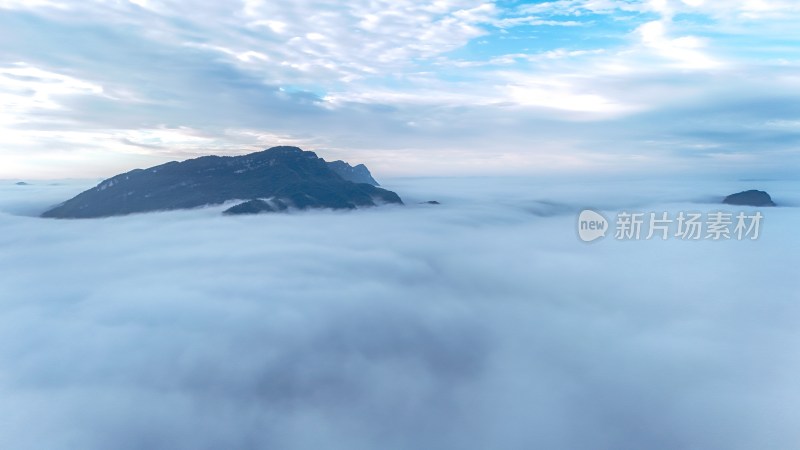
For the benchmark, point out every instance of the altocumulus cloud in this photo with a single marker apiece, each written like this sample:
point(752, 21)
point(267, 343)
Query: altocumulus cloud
point(482, 323)
point(407, 87)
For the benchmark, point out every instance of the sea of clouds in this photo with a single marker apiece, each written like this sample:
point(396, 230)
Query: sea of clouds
point(482, 323)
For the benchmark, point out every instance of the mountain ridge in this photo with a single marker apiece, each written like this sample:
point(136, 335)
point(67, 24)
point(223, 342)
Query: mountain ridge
point(297, 177)
point(357, 174)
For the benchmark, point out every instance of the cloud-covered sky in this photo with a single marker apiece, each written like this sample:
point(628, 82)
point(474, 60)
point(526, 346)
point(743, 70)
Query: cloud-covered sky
point(483, 323)
point(95, 87)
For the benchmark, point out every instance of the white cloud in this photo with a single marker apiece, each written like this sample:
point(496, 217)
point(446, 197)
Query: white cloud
point(391, 75)
point(480, 323)
point(563, 95)
point(274, 25)
point(725, 10)
point(30, 4)
point(580, 7)
point(29, 88)
point(686, 51)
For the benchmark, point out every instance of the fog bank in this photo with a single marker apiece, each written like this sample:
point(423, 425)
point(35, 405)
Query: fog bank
point(480, 323)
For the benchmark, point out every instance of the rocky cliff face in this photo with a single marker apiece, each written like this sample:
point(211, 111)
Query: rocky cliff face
point(356, 174)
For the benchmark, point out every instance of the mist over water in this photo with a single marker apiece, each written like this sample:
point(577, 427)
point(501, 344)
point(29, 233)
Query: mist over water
point(480, 323)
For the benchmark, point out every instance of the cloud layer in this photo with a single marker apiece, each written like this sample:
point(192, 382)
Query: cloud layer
point(482, 323)
point(450, 87)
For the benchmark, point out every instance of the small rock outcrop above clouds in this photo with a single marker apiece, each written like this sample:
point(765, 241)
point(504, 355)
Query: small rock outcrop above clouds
point(749, 198)
point(431, 202)
point(271, 180)
point(256, 206)
point(356, 174)
point(22, 183)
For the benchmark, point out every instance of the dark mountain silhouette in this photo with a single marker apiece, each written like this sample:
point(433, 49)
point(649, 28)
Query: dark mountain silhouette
point(257, 206)
point(286, 175)
point(356, 174)
point(749, 198)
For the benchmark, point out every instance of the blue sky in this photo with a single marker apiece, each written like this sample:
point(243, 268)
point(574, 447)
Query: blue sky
point(449, 87)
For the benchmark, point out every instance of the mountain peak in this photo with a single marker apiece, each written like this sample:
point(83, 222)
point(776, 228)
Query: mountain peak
point(295, 177)
point(752, 197)
point(356, 174)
